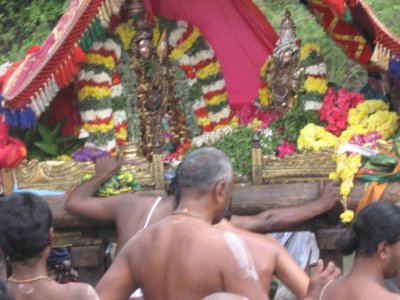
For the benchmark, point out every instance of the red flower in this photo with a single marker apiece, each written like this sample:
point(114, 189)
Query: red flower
point(285, 148)
point(335, 108)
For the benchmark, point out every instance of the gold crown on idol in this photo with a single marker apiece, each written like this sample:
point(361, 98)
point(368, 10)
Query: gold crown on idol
point(134, 8)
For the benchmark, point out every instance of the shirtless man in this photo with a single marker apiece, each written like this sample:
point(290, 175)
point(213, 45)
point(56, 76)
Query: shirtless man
point(132, 212)
point(25, 239)
point(183, 256)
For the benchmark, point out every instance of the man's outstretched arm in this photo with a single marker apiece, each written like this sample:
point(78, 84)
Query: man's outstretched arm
point(281, 218)
point(82, 202)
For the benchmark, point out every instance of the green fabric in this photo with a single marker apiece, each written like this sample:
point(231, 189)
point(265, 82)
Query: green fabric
point(383, 166)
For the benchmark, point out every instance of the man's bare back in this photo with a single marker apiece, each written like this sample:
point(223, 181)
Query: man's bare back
point(182, 257)
point(52, 291)
point(134, 211)
point(272, 259)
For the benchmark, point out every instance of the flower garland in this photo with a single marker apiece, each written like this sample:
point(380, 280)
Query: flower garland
point(335, 108)
point(98, 92)
point(315, 78)
point(197, 59)
point(210, 138)
point(369, 121)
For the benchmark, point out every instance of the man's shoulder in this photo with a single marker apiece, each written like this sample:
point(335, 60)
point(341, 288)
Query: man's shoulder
point(79, 290)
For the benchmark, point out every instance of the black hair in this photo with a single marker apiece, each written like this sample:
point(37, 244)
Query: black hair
point(172, 189)
point(25, 220)
point(5, 294)
point(374, 224)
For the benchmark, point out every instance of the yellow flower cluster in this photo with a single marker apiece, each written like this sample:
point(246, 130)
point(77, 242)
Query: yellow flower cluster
point(265, 67)
point(347, 166)
point(307, 48)
point(121, 134)
point(347, 216)
point(371, 115)
point(264, 96)
point(363, 110)
point(234, 122)
point(255, 124)
point(125, 32)
point(203, 121)
point(316, 84)
point(316, 138)
point(156, 32)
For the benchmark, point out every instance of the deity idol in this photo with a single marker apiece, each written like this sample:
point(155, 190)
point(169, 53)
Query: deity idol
point(283, 71)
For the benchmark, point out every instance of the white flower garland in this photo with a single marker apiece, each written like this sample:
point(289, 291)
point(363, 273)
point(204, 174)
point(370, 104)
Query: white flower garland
point(210, 138)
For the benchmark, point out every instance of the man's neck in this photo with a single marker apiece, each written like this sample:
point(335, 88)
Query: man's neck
point(29, 269)
point(192, 208)
point(367, 266)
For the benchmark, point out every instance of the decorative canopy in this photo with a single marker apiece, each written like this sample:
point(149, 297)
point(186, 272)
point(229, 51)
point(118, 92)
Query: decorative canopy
point(239, 33)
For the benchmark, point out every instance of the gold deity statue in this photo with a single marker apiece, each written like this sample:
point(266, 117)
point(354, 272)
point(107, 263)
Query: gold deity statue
point(283, 70)
point(155, 80)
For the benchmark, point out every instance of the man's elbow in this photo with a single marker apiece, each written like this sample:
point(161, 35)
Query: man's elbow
point(266, 222)
point(70, 207)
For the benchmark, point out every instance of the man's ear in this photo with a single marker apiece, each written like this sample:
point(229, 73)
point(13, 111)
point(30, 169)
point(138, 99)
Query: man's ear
point(219, 192)
point(383, 250)
point(50, 236)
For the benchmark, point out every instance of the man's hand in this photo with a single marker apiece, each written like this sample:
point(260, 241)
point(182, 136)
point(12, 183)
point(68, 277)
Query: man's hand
point(320, 278)
point(106, 166)
point(328, 195)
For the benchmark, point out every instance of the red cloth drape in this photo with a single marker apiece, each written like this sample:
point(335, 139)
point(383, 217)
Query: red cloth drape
point(240, 35)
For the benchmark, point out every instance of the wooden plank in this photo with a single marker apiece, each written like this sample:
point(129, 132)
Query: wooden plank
point(247, 200)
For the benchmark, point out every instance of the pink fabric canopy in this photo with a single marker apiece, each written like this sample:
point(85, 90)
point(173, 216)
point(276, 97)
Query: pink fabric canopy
point(241, 36)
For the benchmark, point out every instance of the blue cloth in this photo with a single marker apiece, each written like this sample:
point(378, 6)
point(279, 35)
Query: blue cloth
point(41, 193)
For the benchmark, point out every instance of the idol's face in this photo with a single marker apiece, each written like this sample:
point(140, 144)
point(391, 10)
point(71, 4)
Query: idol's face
point(145, 48)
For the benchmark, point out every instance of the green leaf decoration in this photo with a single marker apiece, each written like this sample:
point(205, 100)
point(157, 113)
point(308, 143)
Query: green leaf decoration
point(51, 149)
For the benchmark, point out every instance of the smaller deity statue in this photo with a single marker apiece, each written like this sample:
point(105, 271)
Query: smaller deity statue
point(283, 70)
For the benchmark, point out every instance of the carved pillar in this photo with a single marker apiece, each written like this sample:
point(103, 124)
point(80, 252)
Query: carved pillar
point(7, 180)
point(256, 161)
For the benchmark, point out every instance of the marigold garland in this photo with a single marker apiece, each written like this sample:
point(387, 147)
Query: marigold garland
point(369, 117)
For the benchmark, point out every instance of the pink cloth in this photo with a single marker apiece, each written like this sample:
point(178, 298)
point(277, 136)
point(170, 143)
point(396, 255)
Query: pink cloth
point(240, 35)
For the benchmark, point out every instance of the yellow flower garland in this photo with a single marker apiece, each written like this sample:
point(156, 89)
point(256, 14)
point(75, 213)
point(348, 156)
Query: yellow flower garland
point(179, 51)
point(126, 32)
point(156, 32)
point(264, 96)
point(218, 99)
point(98, 59)
point(307, 48)
point(315, 84)
point(369, 116)
point(209, 70)
point(99, 127)
point(94, 91)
